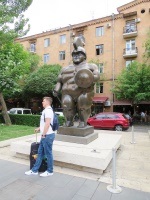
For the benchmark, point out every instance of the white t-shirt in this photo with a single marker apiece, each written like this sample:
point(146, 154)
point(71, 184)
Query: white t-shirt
point(48, 112)
point(142, 114)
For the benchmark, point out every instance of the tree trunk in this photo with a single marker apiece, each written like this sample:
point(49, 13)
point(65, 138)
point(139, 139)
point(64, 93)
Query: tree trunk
point(4, 110)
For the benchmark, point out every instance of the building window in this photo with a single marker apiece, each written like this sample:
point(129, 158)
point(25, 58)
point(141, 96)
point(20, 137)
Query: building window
point(143, 11)
point(47, 42)
point(62, 55)
point(130, 45)
point(100, 31)
point(99, 87)
point(128, 62)
point(101, 68)
point(62, 39)
point(33, 47)
point(130, 26)
point(99, 49)
point(46, 58)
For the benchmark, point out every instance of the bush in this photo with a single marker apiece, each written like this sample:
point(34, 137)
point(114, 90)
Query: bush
point(28, 120)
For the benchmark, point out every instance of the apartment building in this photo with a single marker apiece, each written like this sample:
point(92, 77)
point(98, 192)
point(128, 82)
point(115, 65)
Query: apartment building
point(113, 41)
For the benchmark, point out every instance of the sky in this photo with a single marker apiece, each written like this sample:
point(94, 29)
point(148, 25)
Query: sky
point(46, 14)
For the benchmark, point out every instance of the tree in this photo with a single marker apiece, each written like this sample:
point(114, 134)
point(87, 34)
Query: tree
point(15, 64)
point(17, 91)
point(133, 83)
point(41, 82)
point(12, 21)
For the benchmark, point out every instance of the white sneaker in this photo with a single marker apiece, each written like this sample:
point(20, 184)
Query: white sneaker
point(46, 173)
point(30, 172)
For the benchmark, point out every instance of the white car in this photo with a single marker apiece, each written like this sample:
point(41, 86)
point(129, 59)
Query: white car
point(20, 111)
point(59, 113)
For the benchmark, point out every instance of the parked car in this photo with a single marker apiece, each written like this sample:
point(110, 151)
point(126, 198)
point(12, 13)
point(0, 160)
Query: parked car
point(58, 109)
point(20, 111)
point(109, 120)
point(59, 113)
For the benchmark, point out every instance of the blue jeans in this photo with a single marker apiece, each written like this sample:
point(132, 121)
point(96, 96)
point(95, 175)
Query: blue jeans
point(45, 149)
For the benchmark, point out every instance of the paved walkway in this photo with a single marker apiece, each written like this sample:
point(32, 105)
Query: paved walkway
point(133, 175)
point(14, 185)
point(133, 162)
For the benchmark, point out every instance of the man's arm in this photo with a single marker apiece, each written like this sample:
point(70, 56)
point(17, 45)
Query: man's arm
point(46, 126)
point(37, 129)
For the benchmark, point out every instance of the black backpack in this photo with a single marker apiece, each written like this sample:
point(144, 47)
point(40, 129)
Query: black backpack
point(55, 125)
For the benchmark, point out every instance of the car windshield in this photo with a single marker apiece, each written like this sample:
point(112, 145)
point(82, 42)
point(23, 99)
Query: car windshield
point(12, 111)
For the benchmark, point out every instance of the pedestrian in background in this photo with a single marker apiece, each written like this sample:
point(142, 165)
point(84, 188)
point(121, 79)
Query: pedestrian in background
point(142, 116)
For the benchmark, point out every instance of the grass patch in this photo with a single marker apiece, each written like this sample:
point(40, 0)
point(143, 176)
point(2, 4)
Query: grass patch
point(14, 131)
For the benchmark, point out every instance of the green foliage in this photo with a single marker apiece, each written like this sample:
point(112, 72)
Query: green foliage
point(41, 82)
point(34, 61)
point(97, 62)
point(14, 65)
point(12, 21)
point(28, 120)
point(133, 83)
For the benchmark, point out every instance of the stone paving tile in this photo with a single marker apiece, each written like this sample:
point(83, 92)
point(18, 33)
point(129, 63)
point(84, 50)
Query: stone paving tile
point(88, 188)
point(79, 197)
point(128, 194)
point(19, 190)
point(102, 193)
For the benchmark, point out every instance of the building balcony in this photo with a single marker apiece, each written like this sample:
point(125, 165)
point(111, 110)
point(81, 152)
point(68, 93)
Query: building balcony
point(130, 31)
point(130, 52)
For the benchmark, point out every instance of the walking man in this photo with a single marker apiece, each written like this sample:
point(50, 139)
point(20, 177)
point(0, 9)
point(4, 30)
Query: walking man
point(46, 142)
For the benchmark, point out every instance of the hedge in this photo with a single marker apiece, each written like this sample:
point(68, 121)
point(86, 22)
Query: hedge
point(28, 120)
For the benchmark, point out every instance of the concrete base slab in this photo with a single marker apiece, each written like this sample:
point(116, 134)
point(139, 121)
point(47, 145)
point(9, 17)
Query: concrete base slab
point(95, 155)
point(74, 131)
point(76, 139)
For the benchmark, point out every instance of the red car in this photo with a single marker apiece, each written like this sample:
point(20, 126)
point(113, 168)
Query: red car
point(109, 120)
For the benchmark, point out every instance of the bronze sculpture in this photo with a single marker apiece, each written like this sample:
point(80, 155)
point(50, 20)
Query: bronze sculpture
point(77, 84)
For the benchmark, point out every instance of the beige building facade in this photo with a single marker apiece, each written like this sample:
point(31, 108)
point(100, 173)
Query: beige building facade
point(113, 42)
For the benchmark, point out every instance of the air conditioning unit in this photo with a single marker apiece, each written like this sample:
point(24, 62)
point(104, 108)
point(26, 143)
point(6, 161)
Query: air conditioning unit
point(72, 34)
point(107, 103)
point(137, 20)
point(108, 25)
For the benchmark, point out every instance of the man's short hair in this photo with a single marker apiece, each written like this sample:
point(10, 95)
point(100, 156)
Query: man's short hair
point(48, 99)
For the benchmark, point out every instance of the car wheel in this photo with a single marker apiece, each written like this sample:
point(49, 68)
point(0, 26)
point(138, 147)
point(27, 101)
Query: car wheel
point(118, 128)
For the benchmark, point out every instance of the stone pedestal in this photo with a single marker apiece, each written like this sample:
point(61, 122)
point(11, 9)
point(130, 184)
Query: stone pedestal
point(76, 135)
point(93, 157)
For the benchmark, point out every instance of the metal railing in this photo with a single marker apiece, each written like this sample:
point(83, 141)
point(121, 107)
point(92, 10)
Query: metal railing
point(130, 28)
point(129, 51)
